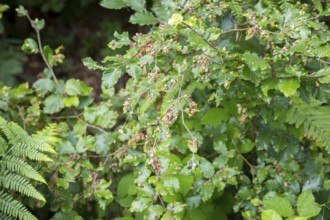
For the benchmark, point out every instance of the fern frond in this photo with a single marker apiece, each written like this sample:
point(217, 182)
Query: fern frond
point(169, 97)
point(49, 134)
point(23, 150)
point(14, 164)
point(6, 129)
point(149, 100)
point(3, 145)
point(270, 3)
point(314, 118)
point(237, 9)
point(23, 136)
point(19, 184)
point(3, 216)
point(11, 207)
point(15, 172)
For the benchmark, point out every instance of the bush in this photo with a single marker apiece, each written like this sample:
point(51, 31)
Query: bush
point(224, 116)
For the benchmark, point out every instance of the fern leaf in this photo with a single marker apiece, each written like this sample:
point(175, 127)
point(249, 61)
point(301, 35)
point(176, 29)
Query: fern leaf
point(14, 164)
point(23, 136)
point(5, 127)
point(3, 216)
point(237, 9)
point(49, 134)
point(11, 207)
point(23, 150)
point(169, 97)
point(148, 101)
point(18, 183)
point(313, 117)
point(3, 145)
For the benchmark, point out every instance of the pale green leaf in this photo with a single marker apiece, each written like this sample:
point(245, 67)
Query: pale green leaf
point(280, 204)
point(91, 64)
point(76, 87)
point(53, 103)
point(306, 204)
point(72, 101)
point(110, 77)
point(38, 24)
point(30, 46)
point(289, 86)
point(270, 214)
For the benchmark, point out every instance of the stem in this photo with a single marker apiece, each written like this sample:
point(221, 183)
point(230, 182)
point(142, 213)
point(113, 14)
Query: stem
point(40, 49)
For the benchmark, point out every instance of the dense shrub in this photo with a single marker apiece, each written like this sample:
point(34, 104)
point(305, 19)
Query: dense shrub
point(224, 115)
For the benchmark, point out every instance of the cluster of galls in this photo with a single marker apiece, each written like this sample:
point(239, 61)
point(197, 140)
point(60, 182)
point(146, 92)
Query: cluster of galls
point(170, 116)
point(191, 109)
point(126, 105)
point(136, 139)
point(202, 63)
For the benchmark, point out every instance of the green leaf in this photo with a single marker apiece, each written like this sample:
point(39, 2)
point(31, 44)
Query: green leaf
point(207, 168)
point(140, 204)
point(279, 204)
point(44, 85)
point(3, 8)
point(124, 185)
point(171, 184)
point(91, 64)
point(186, 183)
point(289, 86)
point(207, 191)
point(60, 182)
point(53, 103)
point(110, 77)
point(220, 161)
point(136, 5)
point(220, 147)
point(126, 202)
point(246, 147)
point(143, 18)
point(154, 212)
point(297, 218)
point(71, 101)
point(214, 116)
point(30, 46)
point(270, 214)
point(254, 61)
point(306, 205)
point(194, 39)
point(268, 84)
point(49, 54)
point(21, 11)
point(122, 40)
point(75, 87)
point(38, 24)
point(113, 4)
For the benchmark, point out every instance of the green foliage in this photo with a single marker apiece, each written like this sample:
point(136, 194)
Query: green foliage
point(160, 10)
point(224, 115)
point(15, 172)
